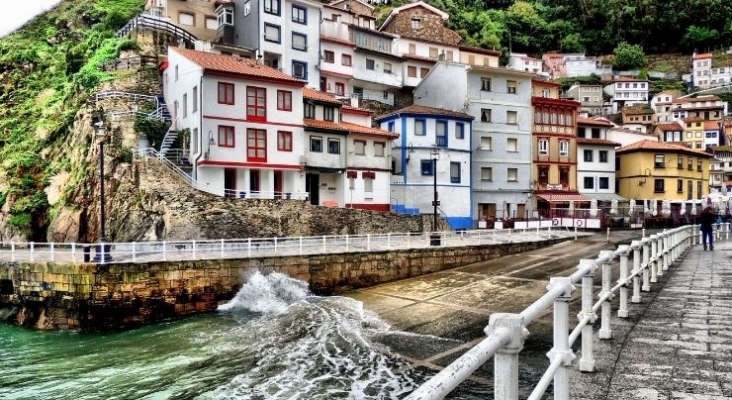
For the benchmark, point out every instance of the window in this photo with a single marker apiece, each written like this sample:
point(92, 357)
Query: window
point(340, 88)
point(423, 72)
point(368, 186)
point(284, 100)
point(433, 52)
point(226, 136)
point(511, 86)
point(299, 41)
point(581, 132)
point(588, 155)
point(346, 60)
point(390, 126)
point(195, 99)
point(272, 7)
point(679, 186)
point(426, 167)
point(412, 48)
point(603, 156)
point(441, 133)
point(186, 19)
point(256, 103)
point(454, 172)
point(176, 73)
point(680, 162)
point(185, 105)
point(411, 71)
point(511, 145)
point(379, 148)
point(589, 182)
point(247, 8)
point(595, 133)
point(486, 174)
point(604, 183)
point(299, 14)
point(690, 165)
point(485, 84)
point(225, 16)
point(511, 117)
point(449, 56)
point(658, 186)
point(564, 176)
point(543, 147)
point(256, 145)
point(564, 148)
point(310, 111)
point(486, 143)
point(512, 174)
point(328, 56)
point(659, 161)
point(284, 141)
point(271, 33)
point(459, 130)
point(699, 164)
point(212, 23)
point(415, 23)
point(485, 115)
point(359, 147)
point(329, 114)
point(316, 144)
point(387, 68)
point(699, 188)
point(300, 70)
point(226, 93)
point(370, 64)
point(419, 127)
point(334, 146)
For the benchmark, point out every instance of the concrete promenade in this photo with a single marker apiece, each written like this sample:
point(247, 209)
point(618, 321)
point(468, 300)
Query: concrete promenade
point(677, 343)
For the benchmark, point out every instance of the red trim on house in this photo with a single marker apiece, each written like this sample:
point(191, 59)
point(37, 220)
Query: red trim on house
point(254, 78)
point(370, 207)
point(336, 74)
point(256, 122)
point(356, 111)
point(209, 163)
point(554, 102)
point(369, 169)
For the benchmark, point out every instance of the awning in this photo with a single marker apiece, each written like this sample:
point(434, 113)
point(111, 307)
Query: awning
point(563, 198)
point(605, 197)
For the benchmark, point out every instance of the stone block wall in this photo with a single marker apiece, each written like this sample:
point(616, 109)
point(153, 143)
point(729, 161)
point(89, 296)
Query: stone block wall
point(432, 28)
point(93, 297)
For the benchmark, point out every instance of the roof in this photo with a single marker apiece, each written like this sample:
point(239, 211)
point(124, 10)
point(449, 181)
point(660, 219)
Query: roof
point(702, 56)
point(354, 128)
point(669, 126)
point(588, 121)
point(597, 142)
point(693, 119)
point(711, 126)
point(629, 79)
point(212, 62)
point(313, 94)
point(335, 3)
point(710, 97)
point(356, 110)
point(335, 40)
point(649, 145)
point(425, 110)
point(635, 110)
point(407, 6)
point(418, 58)
point(480, 50)
point(319, 124)
point(673, 93)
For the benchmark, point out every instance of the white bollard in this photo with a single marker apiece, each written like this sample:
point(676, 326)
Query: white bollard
point(587, 361)
point(561, 337)
point(646, 264)
point(506, 360)
point(636, 245)
point(666, 250)
point(623, 280)
point(653, 264)
point(606, 331)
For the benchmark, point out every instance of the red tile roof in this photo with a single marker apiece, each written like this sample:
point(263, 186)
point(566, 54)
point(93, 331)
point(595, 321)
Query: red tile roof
point(313, 94)
point(318, 124)
point(637, 110)
point(597, 142)
point(588, 121)
point(212, 62)
point(336, 40)
point(424, 110)
point(369, 130)
point(696, 99)
point(660, 146)
point(670, 126)
point(711, 125)
point(693, 119)
point(356, 110)
point(702, 56)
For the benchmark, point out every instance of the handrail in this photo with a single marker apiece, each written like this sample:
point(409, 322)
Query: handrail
point(651, 257)
point(113, 94)
point(156, 23)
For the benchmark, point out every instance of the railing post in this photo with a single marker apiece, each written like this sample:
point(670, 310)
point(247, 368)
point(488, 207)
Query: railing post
point(12, 251)
point(222, 248)
point(347, 242)
point(300, 245)
point(249, 247)
point(606, 331)
point(561, 337)
point(194, 249)
point(646, 264)
point(73, 252)
point(324, 244)
point(624, 250)
point(53, 256)
point(388, 241)
point(165, 252)
point(368, 242)
point(636, 245)
point(587, 361)
point(726, 231)
point(275, 245)
point(666, 250)
point(32, 251)
point(653, 262)
point(575, 233)
point(134, 252)
point(506, 359)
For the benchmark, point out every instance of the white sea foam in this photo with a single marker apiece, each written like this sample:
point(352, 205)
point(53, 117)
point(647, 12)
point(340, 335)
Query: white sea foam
point(267, 294)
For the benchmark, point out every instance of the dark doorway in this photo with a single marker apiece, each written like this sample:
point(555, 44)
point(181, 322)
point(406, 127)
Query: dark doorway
point(312, 186)
point(254, 181)
point(278, 184)
point(230, 183)
point(323, 84)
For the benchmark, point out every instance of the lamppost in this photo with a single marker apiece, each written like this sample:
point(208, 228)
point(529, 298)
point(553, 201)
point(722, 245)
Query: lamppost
point(435, 202)
point(102, 254)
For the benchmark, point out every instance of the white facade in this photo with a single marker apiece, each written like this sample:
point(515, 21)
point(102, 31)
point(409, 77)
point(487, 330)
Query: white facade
point(701, 70)
point(500, 101)
point(662, 104)
point(625, 137)
point(627, 92)
point(581, 65)
point(522, 62)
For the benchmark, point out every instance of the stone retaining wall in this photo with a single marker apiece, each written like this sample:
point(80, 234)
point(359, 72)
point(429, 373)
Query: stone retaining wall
point(93, 297)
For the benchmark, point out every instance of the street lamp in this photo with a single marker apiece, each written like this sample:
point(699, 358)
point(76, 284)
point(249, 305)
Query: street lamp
point(435, 154)
point(102, 255)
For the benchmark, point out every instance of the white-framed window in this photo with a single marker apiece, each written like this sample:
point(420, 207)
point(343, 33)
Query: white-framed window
point(512, 145)
point(564, 148)
point(272, 33)
point(511, 117)
point(512, 174)
point(225, 16)
point(485, 84)
point(543, 147)
point(186, 19)
point(511, 86)
point(212, 23)
point(379, 149)
point(486, 174)
point(420, 127)
point(486, 143)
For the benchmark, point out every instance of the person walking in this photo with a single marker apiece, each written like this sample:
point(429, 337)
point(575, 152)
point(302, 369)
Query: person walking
point(707, 221)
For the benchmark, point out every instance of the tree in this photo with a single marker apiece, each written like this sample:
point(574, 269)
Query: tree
point(697, 36)
point(629, 56)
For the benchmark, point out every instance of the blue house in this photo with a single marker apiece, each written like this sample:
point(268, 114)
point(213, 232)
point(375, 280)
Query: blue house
point(432, 154)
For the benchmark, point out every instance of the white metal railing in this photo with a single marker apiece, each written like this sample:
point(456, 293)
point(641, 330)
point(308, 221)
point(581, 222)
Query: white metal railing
point(150, 153)
point(115, 94)
point(651, 257)
point(186, 250)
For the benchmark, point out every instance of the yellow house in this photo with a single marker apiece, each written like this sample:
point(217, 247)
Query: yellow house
point(662, 171)
point(694, 132)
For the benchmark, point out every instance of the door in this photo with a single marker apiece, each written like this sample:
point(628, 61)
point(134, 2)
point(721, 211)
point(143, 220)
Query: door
point(278, 184)
point(312, 186)
point(323, 84)
point(520, 211)
point(254, 182)
point(230, 183)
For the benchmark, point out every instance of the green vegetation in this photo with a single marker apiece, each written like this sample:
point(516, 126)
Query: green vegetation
point(48, 69)
point(629, 56)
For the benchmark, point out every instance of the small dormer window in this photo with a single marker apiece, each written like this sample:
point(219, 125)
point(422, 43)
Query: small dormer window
point(225, 16)
point(416, 23)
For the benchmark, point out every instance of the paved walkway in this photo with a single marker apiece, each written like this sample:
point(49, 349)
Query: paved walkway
point(677, 344)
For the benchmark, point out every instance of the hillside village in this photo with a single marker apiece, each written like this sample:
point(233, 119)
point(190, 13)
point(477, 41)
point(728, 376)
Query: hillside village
point(300, 100)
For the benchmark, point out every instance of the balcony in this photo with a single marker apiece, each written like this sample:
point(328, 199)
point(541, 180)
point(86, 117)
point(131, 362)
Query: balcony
point(441, 141)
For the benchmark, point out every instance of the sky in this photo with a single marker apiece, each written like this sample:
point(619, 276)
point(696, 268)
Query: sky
point(12, 17)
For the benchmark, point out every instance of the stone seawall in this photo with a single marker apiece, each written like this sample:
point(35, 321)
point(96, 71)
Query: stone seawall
point(94, 297)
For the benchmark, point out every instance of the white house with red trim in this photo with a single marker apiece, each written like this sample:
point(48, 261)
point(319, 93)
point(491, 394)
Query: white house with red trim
point(244, 122)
